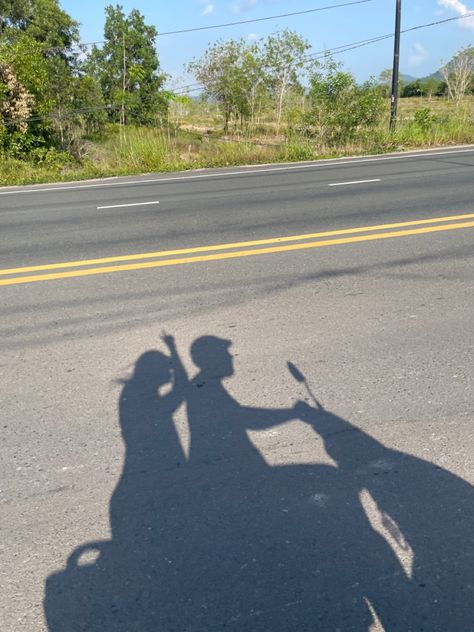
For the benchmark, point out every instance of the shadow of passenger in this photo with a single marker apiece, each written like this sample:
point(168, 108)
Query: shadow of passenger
point(220, 540)
point(152, 445)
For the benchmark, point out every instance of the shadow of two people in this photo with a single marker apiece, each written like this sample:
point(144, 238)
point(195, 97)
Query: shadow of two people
point(220, 540)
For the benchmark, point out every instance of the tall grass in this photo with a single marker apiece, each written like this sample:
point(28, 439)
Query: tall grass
point(136, 150)
point(140, 149)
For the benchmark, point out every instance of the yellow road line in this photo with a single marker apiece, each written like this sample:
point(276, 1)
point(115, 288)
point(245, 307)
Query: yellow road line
point(234, 254)
point(240, 244)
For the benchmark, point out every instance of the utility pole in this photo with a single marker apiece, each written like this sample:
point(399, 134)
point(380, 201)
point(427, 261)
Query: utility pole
point(396, 64)
point(124, 70)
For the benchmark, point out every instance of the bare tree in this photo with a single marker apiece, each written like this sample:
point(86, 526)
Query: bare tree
point(285, 58)
point(15, 101)
point(458, 74)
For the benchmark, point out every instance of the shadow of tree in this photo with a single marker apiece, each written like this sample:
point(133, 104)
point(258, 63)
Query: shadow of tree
point(218, 540)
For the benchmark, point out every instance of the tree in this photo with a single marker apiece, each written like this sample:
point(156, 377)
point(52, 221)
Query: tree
point(38, 41)
point(339, 106)
point(25, 56)
point(421, 87)
point(89, 106)
point(14, 13)
point(414, 88)
point(458, 74)
point(43, 79)
point(385, 81)
point(15, 102)
point(44, 21)
point(52, 27)
point(241, 76)
point(127, 68)
point(231, 74)
point(431, 86)
point(284, 60)
point(254, 86)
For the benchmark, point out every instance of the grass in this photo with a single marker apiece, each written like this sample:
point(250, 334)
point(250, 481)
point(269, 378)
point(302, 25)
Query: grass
point(189, 146)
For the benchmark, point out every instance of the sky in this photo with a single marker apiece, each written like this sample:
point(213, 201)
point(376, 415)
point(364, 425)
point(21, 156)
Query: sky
point(422, 51)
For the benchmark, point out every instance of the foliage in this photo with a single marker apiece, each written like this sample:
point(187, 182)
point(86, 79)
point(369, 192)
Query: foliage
point(15, 109)
point(422, 87)
point(458, 74)
point(231, 74)
point(89, 105)
point(127, 68)
point(339, 106)
point(69, 95)
point(151, 149)
point(60, 108)
point(425, 119)
point(37, 42)
point(14, 13)
point(384, 80)
point(242, 77)
point(24, 54)
point(284, 61)
point(52, 27)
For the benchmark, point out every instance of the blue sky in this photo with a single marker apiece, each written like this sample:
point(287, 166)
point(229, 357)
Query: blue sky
point(421, 51)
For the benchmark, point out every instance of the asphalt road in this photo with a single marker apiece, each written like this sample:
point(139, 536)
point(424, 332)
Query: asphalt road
point(186, 486)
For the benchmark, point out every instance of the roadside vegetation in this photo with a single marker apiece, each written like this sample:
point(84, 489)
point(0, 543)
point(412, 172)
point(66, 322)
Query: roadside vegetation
point(67, 112)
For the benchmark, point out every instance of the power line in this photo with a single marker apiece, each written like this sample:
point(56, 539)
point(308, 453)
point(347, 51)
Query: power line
point(53, 116)
point(194, 87)
point(271, 17)
point(343, 48)
point(422, 26)
point(361, 43)
point(226, 24)
point(335, 50)
point(185, 94)
point(189, 85)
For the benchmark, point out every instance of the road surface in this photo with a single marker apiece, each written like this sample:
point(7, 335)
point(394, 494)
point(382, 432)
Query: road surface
point(187, 486)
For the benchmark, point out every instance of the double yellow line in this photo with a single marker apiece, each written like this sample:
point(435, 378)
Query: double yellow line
point(160, 259)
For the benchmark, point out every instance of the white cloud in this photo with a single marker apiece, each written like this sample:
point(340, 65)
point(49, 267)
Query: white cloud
point(418, 55)
point(252, 37)
point(208, 9)
point(461, 9)
point(243, 5)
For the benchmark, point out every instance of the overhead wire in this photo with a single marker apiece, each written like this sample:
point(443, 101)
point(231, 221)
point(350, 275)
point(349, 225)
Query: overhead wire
point(270, 17)
point(336, 50)
point(346, 47)
point(194, 87)
point(343, 48)
point(227, 24)
point(333, 50)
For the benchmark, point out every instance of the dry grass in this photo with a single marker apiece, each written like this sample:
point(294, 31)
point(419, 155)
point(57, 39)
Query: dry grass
point(139, 150)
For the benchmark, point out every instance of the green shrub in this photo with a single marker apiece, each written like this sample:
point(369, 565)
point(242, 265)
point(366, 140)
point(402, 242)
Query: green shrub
point(425, 119)
point(50, 157)
point(340, 108)
point(296, 151)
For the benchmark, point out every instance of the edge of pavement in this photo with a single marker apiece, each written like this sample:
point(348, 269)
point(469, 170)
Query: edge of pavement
point(234, 169)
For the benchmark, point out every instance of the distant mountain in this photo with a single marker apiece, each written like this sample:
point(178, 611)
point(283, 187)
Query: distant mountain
point(438, 75)
point(435, 75)
point(407, 78)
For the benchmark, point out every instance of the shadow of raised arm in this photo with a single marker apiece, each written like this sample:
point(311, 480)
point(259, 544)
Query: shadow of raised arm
point(174, 398)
